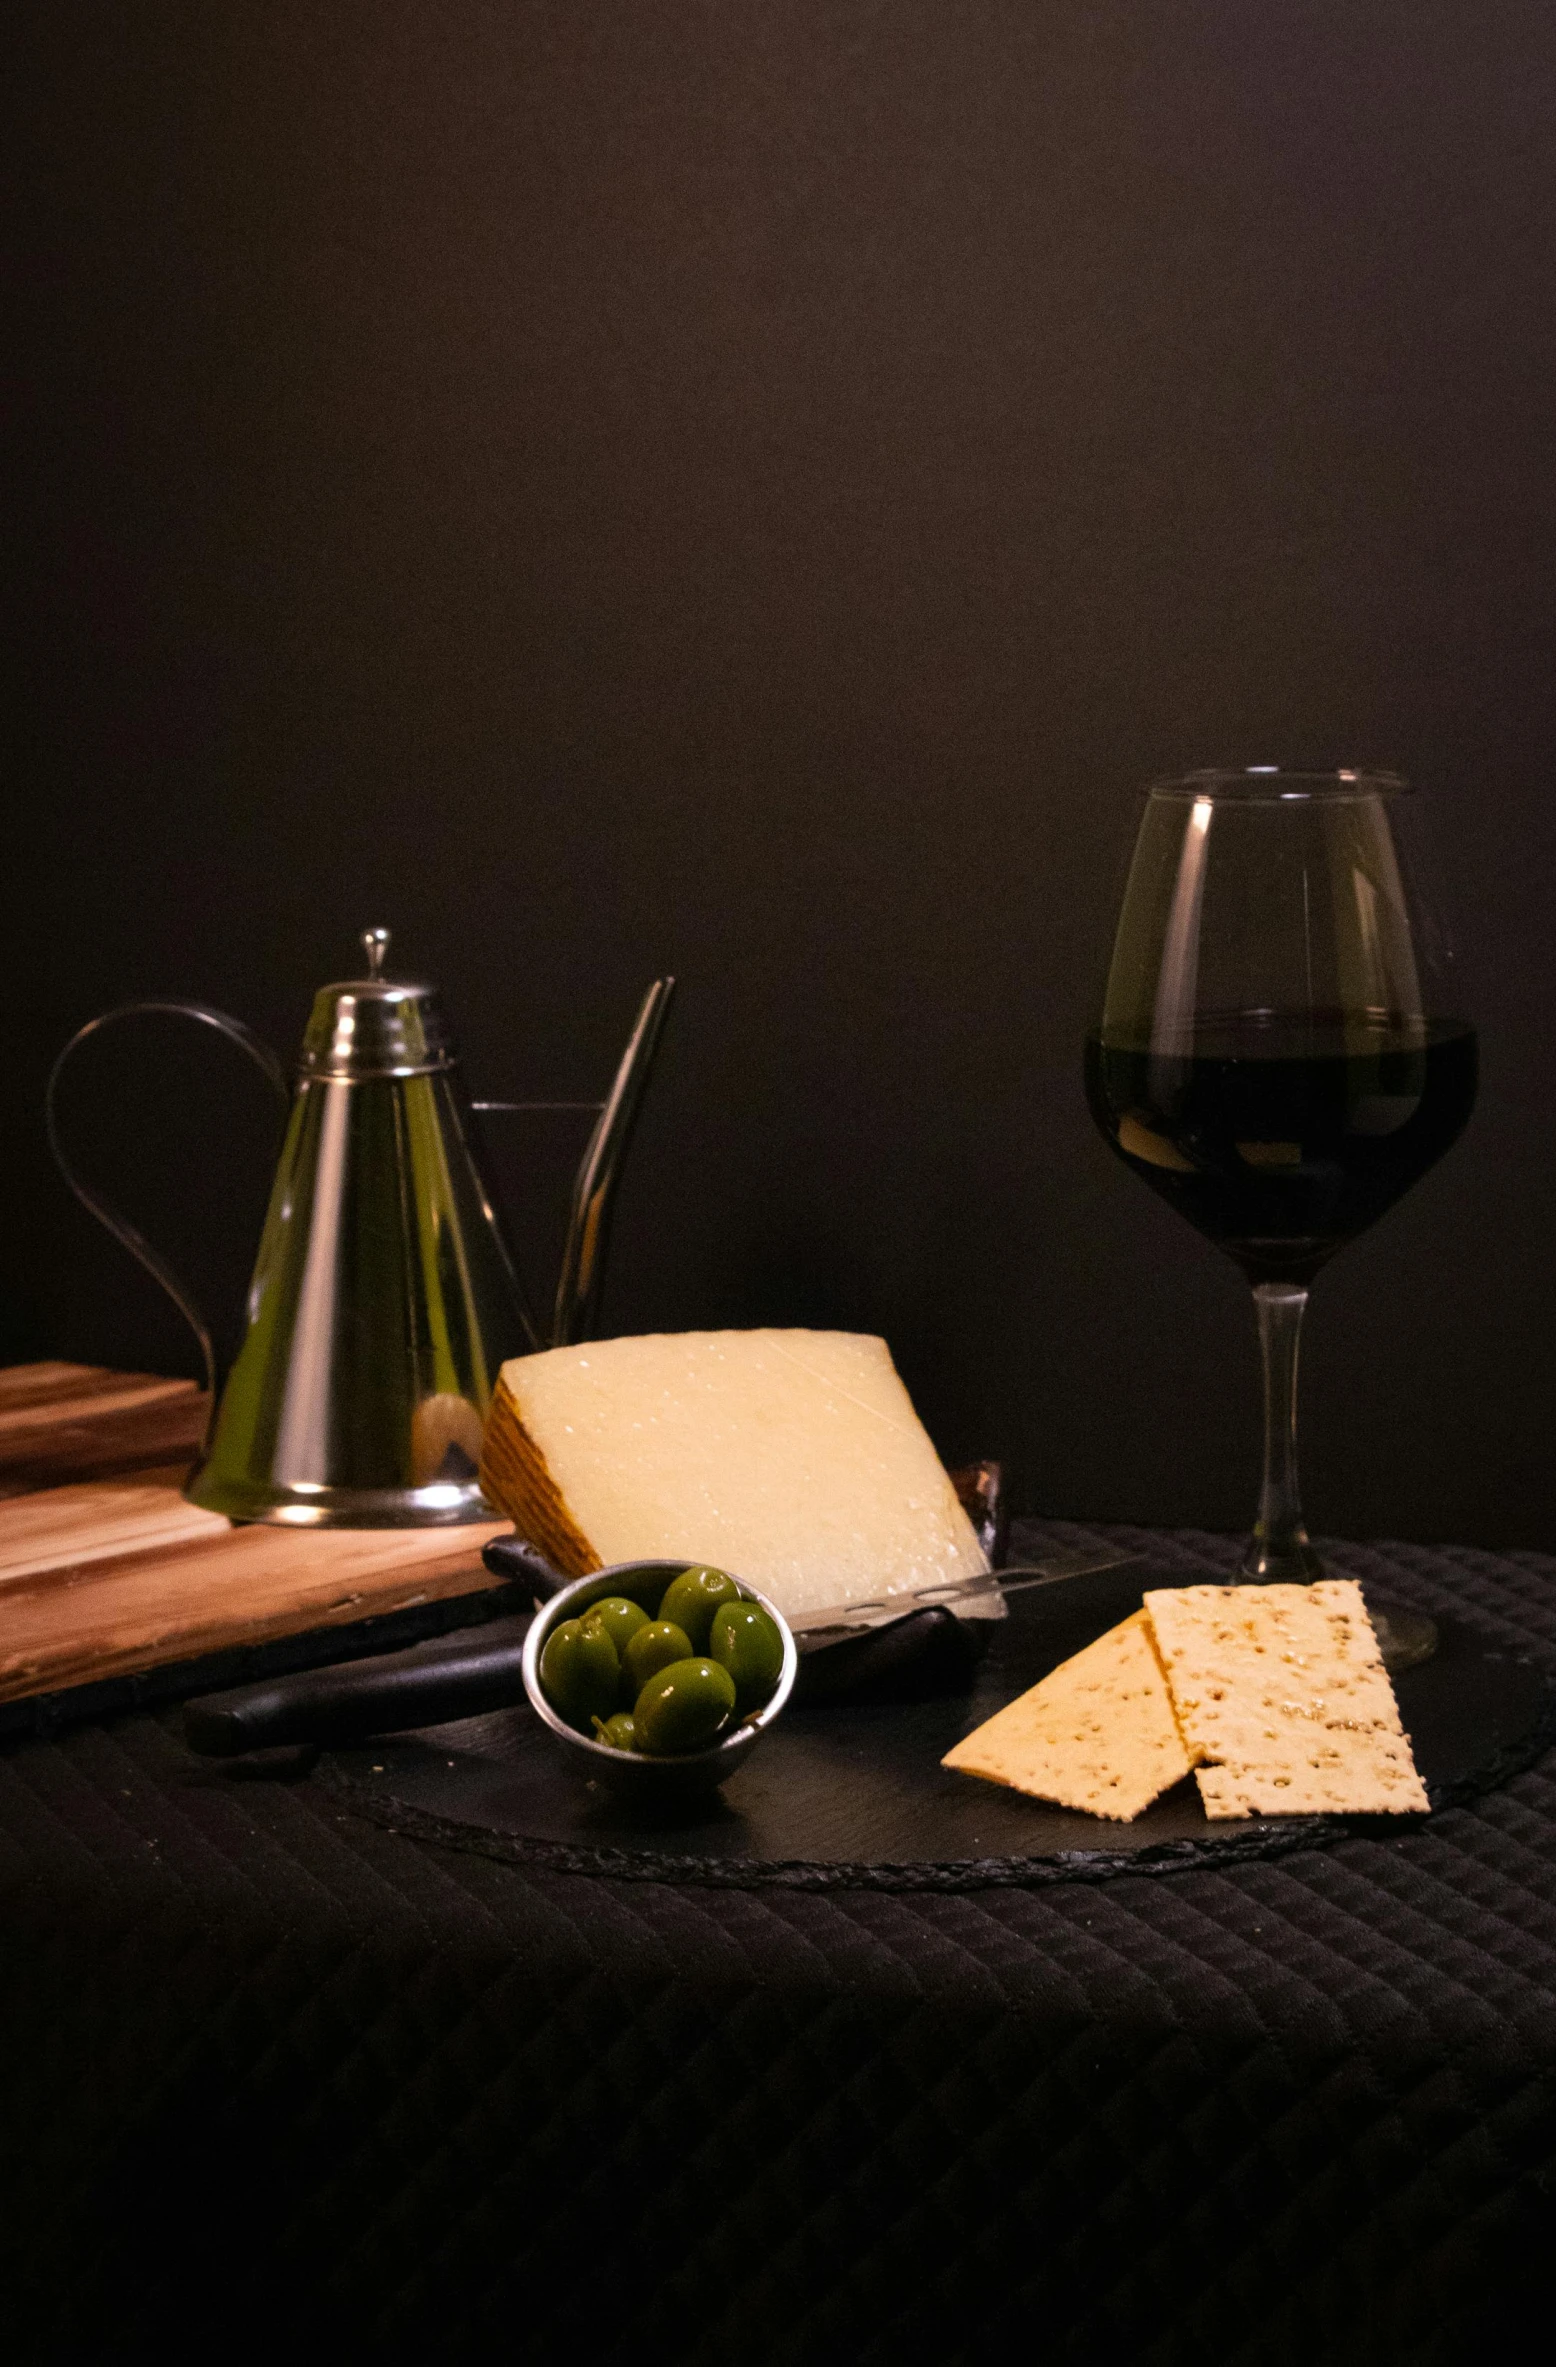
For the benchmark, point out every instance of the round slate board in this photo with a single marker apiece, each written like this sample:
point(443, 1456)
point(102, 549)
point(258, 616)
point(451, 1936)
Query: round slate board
point(855, 1797)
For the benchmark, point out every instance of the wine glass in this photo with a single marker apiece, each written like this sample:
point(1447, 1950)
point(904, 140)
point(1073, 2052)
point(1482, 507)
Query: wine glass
point(1281, 1051)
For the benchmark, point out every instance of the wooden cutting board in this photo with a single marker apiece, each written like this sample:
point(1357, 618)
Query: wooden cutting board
point(114, 1592)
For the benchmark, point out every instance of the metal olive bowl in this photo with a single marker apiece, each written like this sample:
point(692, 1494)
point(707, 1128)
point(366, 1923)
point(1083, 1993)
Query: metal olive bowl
point(640, 1775)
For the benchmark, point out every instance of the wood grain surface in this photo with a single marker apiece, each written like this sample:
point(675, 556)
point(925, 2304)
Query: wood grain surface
point(107, 1576)
point(80, 1421)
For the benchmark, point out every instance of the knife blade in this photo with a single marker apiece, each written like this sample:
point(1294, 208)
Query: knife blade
point(997, 1583)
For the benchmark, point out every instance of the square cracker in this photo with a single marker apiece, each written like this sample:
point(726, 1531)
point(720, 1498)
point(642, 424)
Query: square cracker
point(1282, 1696)
point(1098, 1733)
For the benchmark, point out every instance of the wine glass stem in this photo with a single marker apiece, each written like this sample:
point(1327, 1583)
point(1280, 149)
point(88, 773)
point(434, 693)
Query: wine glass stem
point(1279, 1548)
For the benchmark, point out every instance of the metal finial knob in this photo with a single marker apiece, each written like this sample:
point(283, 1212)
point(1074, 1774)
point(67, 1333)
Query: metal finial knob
point(375, 944)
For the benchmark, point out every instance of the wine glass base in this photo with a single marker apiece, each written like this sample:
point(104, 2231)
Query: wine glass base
point(1405, 1638)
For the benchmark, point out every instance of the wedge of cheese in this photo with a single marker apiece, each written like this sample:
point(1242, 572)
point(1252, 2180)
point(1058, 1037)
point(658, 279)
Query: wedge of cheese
point(1098, 1733)
point(793, 1458)
point(1282, 1696)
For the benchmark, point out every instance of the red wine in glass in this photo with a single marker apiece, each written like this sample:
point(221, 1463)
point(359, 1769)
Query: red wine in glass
point(1282, 1140)
point(1281, 1053)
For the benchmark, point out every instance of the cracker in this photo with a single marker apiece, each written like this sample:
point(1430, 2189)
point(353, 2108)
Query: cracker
point(1098, 1733)
point(1283, 1699)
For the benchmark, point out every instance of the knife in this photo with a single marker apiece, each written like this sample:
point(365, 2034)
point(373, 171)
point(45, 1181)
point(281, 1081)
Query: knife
point(847, 1653)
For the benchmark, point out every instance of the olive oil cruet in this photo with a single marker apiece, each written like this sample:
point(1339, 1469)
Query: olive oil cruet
point(384, 1296)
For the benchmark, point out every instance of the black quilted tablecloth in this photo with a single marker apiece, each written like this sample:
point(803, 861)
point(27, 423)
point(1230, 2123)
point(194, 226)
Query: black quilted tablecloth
point(279, 2082)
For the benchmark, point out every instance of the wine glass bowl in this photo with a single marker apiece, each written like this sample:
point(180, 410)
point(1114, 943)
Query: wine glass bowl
point(1280, 1053)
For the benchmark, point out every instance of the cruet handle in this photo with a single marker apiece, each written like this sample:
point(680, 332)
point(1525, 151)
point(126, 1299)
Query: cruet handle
point(106, 1214)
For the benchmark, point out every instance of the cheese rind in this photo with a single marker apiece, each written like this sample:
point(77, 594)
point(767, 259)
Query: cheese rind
point(793, 1458)
point(1098, 1733)
point(1281, 1692)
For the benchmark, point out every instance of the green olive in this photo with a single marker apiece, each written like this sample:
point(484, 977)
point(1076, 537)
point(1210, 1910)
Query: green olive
point(746, 1642)
point(621, 1619)
point(684, 1708)
point(650, 1650)
point(580, 1674)
point(619, 1731)
point(692, 1599)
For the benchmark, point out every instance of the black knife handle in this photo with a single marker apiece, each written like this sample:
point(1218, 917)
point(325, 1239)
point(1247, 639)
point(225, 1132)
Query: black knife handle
point(523, 1564)
point(451, 1677)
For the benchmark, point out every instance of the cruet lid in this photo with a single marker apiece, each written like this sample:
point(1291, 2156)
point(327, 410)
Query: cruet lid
point(375, 1026)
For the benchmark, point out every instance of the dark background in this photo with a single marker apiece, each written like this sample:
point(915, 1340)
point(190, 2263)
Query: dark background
point(753, 490)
